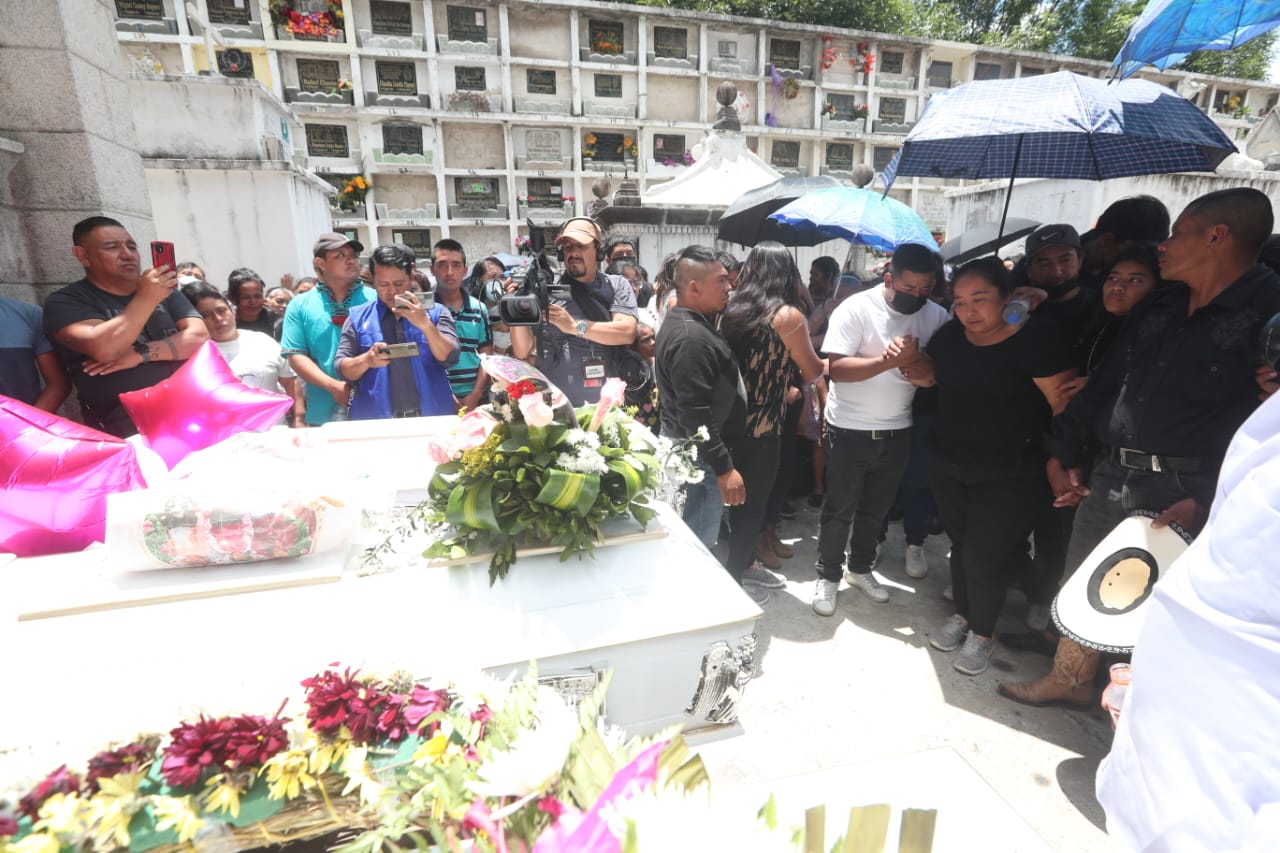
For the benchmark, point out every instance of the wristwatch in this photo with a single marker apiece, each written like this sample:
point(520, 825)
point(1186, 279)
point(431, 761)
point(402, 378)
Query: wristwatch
point(582, 328)
point(143, 350)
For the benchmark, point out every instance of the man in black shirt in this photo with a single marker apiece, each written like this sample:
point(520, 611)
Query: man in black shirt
point(1053, 265)
point(1134, 221)
point(699, 386)
point(1160, 412)
point(118, 329)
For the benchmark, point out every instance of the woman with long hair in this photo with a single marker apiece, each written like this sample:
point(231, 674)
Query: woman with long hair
point(765, 325)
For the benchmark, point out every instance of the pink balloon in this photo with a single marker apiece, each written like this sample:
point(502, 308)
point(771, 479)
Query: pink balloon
point(56, 478)
point(200, 405)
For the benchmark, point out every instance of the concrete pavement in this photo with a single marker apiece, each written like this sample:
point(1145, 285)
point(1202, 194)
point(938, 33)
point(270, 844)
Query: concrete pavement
point(864, 685)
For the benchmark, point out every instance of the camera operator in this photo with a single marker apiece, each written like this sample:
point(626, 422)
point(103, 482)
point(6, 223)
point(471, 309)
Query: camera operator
point(588, 321)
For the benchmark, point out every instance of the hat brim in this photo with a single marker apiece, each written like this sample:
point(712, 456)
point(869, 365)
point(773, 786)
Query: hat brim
point(1100, 613)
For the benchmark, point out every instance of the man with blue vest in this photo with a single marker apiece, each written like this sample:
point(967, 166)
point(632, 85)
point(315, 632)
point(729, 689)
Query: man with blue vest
point(396, 349)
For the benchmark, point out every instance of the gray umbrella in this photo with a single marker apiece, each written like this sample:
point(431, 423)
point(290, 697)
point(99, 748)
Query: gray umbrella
point(747, 222)
point(985, 239)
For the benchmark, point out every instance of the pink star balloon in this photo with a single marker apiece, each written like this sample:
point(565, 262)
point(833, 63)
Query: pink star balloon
point(200, 405)
point(56, 475)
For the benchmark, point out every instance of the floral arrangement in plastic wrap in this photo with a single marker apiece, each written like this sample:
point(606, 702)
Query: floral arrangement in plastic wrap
point(354, 190)
point(529, 469)
point(324, 24)
point(406, 764)
point(863, 59)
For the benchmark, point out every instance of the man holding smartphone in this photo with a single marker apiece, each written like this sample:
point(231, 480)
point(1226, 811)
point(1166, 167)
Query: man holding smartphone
point(118, 329)
point(396, 349)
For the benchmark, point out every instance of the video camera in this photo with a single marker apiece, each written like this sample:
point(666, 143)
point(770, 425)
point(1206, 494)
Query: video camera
point(530, 304)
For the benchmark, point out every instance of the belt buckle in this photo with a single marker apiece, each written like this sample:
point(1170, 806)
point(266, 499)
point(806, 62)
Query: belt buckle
point(1153, 461)
point(878, 435)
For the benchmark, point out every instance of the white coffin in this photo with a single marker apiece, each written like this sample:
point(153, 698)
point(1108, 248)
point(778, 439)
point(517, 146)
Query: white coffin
point(656, 612)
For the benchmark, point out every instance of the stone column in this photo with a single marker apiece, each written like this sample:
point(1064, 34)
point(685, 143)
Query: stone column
point(64, 98)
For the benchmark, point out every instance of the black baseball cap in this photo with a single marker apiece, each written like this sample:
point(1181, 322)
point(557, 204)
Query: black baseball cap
point(1052, 235)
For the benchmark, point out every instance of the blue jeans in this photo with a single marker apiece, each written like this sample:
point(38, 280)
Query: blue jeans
point(703, 506)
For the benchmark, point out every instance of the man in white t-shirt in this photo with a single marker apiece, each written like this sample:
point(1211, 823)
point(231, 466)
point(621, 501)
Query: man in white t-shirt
point(875, 342)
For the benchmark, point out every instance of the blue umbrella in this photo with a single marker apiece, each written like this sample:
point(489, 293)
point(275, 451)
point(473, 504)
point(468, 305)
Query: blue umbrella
point(1060, 125)
point(862, 216)
point(1168, 30)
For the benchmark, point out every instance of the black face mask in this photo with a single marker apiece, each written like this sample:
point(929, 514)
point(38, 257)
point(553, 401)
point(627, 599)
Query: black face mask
point(905, 303)
point(1060, 290)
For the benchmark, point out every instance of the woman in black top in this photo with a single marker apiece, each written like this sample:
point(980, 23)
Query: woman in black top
point(247, 293)
point(998, 385)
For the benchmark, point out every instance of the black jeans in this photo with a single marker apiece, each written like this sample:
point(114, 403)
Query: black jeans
point(988, 513)
point(863, 474)
point(756, 459)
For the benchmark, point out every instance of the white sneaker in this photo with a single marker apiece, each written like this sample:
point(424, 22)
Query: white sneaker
point(951, 635)
point(917, 565)
point(869, 586)
point(947, 594)
point(824, 597)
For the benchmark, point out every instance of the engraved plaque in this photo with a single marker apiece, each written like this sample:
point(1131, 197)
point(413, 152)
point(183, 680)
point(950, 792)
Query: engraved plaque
point(540, 81)
point(318, 75)
point(467, 79)
point(893, 109)
point(727, 49)
point(605, 37)
point(466, 24)
point(401, 139)
point(417, 239)
point(839, 156)
point(668, 145)
point(390, 18)
point(786, 154)
point(939, 74)
point(607, 145)
point(234, 62)
point(396, 78)
point(608, 85)
point(844, 106)
point(543, 145)
point(150, 10)
point(228, 11)
point(784, 53)
point(891, 61)
point(544, 192)
point(327, 140)
point(880, 157)
point(987, 71)
point(671, 42)
point(476, 193)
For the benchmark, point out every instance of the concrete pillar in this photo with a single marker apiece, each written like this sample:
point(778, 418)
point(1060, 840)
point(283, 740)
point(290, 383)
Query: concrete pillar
point(64, 97)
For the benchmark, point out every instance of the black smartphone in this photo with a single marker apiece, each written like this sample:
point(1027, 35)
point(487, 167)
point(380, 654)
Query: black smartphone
point(405, 350)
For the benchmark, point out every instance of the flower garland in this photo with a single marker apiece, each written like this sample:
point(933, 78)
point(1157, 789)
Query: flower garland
point(529, 469)
point(828, 53)
point(863, 59)
point(325, 24)
point(790, 88)
point(500, 768)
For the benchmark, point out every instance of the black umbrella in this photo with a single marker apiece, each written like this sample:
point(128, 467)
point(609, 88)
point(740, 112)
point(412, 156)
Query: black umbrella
point(747, 222)
point(985, 239)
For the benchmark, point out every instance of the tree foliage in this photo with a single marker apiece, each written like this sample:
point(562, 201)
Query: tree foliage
point(1093, 29)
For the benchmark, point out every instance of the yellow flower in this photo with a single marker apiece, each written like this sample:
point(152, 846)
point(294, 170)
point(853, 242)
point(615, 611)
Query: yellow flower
point(62, 814)
point(36, 842)
point(111, 809)
point(357, 769)
point(590, 139)
point(432, 751)
point(223, 795)
point(176, 813)
point(326, 753)
point(627, 142)
point(287, 774)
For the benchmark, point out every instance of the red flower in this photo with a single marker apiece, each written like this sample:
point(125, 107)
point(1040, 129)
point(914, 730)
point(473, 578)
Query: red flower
point(60, 781)
point(113, 762)
point(424, 702)
point(206, 747)
point(516, 390)
point(551, 806)
point(368, 708)
point(8, 826)
point(329, 696)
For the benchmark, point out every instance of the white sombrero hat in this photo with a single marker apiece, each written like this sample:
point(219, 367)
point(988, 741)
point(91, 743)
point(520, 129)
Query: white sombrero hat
point(1103, 603)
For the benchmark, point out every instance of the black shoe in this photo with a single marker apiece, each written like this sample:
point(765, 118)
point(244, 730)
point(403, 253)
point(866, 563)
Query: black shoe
point(788, 511)
point(815, 501)
point(1030, 641)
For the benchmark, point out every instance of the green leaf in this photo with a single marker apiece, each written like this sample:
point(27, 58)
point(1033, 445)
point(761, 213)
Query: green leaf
point(473, 506)
point(630, 476)
point(568, 490)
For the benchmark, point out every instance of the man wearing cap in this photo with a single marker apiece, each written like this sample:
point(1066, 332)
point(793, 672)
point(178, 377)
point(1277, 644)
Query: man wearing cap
point(118, 329)
point(1134, 221)
point(313, 326)
point(1157, 416)
point(581, 340)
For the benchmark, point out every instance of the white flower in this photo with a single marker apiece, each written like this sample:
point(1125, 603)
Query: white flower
point(535, 755)
point(586, 460)
point(580, 437)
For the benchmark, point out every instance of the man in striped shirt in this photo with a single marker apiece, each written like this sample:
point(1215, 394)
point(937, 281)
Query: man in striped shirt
point(470, 320)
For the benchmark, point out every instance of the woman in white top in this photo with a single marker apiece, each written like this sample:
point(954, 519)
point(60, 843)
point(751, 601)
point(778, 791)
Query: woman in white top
point(253, 356)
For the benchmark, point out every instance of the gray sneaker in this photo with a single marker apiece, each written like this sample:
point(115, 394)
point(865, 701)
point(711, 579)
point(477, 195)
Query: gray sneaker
point(949, 637)
point(869, 586)
point(975, 655)
point(1038, 617)
point(758, 594)
point(758, 575)
point(947, 594)
point(916, 564)
point(824, 597)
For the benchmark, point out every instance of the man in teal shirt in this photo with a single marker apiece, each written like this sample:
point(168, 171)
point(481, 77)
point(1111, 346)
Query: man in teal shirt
point(313, 325)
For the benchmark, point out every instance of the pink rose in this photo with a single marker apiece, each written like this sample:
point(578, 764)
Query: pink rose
point(438, 450)
point(535, 410)
point(612, 394)
point(472, 430)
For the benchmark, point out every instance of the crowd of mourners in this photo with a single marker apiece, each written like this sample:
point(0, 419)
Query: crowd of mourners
point(1023, 406)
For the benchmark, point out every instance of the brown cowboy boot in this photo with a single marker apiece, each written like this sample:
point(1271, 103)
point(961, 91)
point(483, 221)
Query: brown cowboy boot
point(764, 552)
point(782, 549)
point(1070, 682)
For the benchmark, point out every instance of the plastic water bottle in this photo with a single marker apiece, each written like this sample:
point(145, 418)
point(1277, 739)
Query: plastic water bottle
point(1113, 695)
point(341, 413)
point(1016, 311)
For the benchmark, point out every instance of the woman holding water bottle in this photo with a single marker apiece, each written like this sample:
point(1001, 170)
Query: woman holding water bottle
point(998, 385)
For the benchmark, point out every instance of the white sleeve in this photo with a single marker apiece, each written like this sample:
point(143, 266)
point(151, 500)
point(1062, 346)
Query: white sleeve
point(844, 330)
